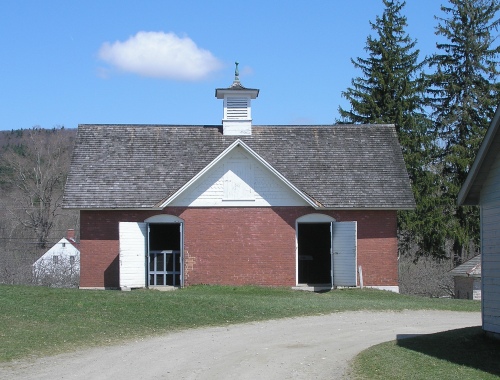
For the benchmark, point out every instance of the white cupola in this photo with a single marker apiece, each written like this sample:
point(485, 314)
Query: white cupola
point(237, 119)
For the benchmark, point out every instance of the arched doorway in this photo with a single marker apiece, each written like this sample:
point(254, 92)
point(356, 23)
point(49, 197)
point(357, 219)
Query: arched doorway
point(326, 251)
point(164, 251)
point(314, 244)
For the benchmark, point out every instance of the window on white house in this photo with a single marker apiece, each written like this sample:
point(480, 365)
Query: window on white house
point(55, 259)
point(63, 245)
point(71, 260)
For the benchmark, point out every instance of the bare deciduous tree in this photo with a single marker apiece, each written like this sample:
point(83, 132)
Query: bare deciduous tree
point(425, 276)
point(63, 274)
point(33, 167)
point(36, 173)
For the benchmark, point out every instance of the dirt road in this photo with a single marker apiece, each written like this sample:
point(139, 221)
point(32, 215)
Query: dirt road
point(299, 348)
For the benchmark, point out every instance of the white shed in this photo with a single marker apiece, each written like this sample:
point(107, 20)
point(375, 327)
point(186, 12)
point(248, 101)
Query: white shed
point(60, 265)
point(467, 279)
point(482, 187)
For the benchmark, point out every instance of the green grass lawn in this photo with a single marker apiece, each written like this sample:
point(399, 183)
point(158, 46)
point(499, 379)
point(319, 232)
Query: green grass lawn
point(450, 355)
point(38, 321)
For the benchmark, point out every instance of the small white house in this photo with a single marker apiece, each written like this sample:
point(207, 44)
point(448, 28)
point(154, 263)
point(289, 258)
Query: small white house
point(467, 279)
point(482, 187)
point(60, 265)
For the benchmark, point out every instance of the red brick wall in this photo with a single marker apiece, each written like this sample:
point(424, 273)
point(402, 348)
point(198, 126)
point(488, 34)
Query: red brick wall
point(377, 246)
point(238, 246)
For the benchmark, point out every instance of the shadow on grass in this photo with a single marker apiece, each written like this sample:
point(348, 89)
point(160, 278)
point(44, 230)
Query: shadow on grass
point(468, 347)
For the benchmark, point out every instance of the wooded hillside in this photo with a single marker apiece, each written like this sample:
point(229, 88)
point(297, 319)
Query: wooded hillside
point(33, 167)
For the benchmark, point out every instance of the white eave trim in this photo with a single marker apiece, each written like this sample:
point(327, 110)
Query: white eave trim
point(235, 144)
point(478, 162)
point(371, 208)
point(159, 208)
point(108, 208)
point(221, 93)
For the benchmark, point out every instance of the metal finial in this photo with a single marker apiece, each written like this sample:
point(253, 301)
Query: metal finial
point(236, 72)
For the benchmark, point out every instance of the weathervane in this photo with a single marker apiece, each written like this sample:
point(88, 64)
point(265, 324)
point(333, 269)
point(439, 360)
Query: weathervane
point(236, 72)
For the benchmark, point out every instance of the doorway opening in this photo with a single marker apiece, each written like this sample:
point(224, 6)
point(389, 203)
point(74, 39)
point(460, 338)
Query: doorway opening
point(164, 254)
point(314, 253)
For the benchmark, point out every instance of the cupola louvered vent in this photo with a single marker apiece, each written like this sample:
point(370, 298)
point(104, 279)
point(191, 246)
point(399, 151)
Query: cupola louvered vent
point(237, 108)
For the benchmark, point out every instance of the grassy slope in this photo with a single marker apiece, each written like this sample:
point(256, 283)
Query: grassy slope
point(58, 320)
point(456, 354)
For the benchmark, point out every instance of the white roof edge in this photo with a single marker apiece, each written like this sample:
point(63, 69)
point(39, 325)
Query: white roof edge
point(149, 208)
point(226, 151)
point(220, 93)
point(481, 154)
point(278, 174)
point(320, 208)
point(198, 175)
point(365, 208)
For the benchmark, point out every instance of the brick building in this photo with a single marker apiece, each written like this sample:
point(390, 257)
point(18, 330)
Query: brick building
point(169, 205)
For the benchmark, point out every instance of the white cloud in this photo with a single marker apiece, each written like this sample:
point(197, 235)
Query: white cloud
point(160, 55)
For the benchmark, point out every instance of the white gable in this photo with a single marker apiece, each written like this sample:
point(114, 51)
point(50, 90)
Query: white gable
point(238, 179)
point(59, 266)
point(62, 249)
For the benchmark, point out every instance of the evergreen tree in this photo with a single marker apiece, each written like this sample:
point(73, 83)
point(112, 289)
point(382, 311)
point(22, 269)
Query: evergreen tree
point(464, 96)
point(392, 91)
point(391, 88)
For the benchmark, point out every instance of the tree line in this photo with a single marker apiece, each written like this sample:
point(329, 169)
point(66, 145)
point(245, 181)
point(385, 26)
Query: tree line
point(441, 106)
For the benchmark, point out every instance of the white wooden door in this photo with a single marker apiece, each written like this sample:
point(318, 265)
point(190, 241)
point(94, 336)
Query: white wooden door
point(133, 239)
point(344, 258)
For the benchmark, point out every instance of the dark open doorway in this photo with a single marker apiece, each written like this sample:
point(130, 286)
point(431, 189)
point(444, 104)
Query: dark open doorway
point(164, 267)
point(314, 253)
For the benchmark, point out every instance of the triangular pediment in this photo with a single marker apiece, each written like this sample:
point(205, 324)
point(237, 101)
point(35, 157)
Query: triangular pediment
point(238, 178)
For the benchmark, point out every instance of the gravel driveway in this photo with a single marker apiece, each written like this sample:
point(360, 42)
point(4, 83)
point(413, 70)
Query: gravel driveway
point(297, 348)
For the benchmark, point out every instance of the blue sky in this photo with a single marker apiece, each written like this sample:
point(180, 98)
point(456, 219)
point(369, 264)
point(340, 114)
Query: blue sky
point(66, 63)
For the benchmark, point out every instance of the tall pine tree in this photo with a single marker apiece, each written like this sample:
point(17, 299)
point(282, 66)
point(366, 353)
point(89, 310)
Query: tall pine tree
point(392, 91)
point(391, 88)
point(464, 96)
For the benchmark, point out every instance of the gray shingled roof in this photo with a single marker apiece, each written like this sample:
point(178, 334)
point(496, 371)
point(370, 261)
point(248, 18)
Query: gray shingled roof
point(137, 166)
point(471, 268)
